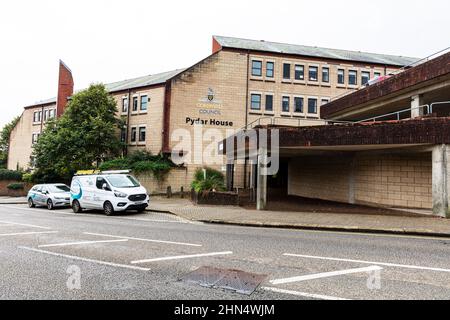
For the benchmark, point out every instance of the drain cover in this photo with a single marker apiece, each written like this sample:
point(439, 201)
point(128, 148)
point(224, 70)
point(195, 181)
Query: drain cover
point(235, 280)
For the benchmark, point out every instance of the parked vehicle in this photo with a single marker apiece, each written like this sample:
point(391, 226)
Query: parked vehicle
point(112, 191)
point(49, 195)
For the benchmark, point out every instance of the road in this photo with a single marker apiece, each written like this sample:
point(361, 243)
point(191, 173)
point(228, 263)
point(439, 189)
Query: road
point(60, 255)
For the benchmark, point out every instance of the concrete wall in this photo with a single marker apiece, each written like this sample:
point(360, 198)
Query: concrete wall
point(176, 179)
point(385, 180)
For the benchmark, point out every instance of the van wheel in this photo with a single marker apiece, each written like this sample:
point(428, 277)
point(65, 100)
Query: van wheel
point(76, 207)
point(31, 203)
point(50, 204)
point(108, 208)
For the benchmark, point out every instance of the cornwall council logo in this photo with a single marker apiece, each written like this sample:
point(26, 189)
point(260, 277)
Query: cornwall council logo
point(210, 94)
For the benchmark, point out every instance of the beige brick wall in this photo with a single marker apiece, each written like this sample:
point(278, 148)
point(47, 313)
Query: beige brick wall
point(384, 180)
point(176, 179)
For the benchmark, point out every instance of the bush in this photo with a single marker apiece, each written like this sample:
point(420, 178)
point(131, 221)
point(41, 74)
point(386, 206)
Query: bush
point(116, 164)
point(10, 175)
point(215, 180)
point(16, 186)
point(27, 177)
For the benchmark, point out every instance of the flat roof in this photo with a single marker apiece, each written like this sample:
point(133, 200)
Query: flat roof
point(318, 52)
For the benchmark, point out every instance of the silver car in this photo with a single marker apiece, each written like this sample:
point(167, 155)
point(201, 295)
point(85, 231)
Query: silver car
point(49, 195)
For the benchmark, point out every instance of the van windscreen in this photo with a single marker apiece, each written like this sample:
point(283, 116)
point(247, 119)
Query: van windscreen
point(123, 181)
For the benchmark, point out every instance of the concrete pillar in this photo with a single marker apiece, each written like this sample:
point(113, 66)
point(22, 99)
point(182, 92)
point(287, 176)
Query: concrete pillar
point(230, 177)
point(441, 182)
point(261, 188)
point(416, 102)
point(352, 181)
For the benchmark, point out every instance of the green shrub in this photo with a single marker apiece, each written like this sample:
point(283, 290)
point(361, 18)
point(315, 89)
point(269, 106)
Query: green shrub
point(215, 180)
point(27, 177)
point(16, 186)
point(10, 175)
point(116, 164)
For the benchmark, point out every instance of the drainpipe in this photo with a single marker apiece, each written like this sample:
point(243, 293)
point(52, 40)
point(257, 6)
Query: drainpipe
point(127, 130)
point(246, 114)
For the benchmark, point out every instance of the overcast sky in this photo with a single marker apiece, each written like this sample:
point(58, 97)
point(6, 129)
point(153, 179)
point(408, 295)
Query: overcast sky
point(111, 40)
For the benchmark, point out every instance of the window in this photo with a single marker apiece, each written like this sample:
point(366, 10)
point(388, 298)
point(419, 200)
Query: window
point(37, 116)
point(256, 102)
point(287, 71)
point(298, 105)
point(144, 103)
point(270, 69)
point(35, 138)
point(299, 72)
point(352, 77)
point(100, 182)
point(325, 74)
point(52, 114)
point(269, 102)
point(142, 132)
point(285, 104)
point(135, 104)
point(365, 77)
point(133, 134)
point(324, 102)
point(45, 115)
point(377, 74)
point(124, 105)
point(313, 73)
point(312, 106)
point(341, 76)
point(256, 68)
point(123, 135)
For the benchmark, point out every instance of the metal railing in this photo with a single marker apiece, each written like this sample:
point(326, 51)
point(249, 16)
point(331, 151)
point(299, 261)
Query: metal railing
point(287, 121)
point(397, 114)
point(436, 104)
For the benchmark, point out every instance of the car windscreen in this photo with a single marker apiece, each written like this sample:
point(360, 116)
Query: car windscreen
point(58, 189)
point(123, 181)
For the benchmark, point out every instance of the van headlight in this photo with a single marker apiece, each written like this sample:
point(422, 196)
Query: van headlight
point(119, 194)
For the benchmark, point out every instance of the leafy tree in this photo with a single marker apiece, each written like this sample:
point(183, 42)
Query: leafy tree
point(83, 137)
point(4, 141)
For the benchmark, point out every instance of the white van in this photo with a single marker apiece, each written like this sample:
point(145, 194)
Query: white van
point(111, 191)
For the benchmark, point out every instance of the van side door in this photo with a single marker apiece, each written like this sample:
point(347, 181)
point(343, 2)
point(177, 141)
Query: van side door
point(101, 195)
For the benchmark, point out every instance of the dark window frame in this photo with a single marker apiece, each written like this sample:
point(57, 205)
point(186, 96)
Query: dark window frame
point(286, 72)
point(310, 73)
point(259, 74)
point(135, 104)
point(272, 69)
point(315, 105)
point(341, 76)
point(133, 135)
point(367, 73)
point(271, 105)
point(144, 101)
point(253, 101)
point(142, 130)
point(283, 100)
point(296, 99)
point(327, 73)
point(299, 75)
point(350, 77)
point(125, 105)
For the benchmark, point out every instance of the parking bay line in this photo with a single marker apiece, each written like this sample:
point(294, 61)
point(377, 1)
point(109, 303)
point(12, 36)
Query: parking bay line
point(325, 275)
point(303, 294)
point(144, 240)
point(182, 257)
point(385, 264)
point(80, 243)
point(110, 264)
point(24, 225)
point(26, 233)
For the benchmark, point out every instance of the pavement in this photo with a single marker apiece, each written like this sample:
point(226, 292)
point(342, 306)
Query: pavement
point(59, 255)
point(346, 222)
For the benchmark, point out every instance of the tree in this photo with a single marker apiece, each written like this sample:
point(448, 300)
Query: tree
point(4, 141)
point(84, 136)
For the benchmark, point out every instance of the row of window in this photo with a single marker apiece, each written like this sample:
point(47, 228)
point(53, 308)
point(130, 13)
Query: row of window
point(138, 134)
point(135, 107)
point(286, 107)
point(38, 116)
point(313, 73)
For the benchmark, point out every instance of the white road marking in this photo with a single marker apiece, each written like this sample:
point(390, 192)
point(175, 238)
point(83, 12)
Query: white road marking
point(24, 225)
point(325, 275)
point(79, 243)
point(369, 262)
point(26, 233)
point(303, 294)
point(144, 240)
point(111, 264)
point(183, 257)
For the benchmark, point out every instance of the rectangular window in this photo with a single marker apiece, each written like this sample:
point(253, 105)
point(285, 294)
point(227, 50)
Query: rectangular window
point(133, 134)
point(124, 105)
point(52, 114)
point(312, 106)
point(34, 138)
point(341, 76)
point(35, 116)
point(135, 104)
point(326, 75)
point(287, 71)
point(142, 132)
point(285, 107)
point(45, 115)
point(144, 103)
point(313, 73)
point(324, 102)
point(353, 77)
point(270, 69)
point(256, 68)
point(298, 102)
point(123, 135)
point(299, 72)
point(365, 77)
point(377, 74)
point(256, 102)
point(269, 102)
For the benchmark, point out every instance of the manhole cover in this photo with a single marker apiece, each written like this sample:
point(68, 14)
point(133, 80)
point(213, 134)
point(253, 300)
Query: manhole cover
point(235, 280)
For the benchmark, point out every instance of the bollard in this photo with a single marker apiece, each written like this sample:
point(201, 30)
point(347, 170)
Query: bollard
point(169, 192)
point(182, 192)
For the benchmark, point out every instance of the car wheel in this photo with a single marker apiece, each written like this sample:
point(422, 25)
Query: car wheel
point(31, 203)
point(50, 204)
point(108, 208)
point(76, 206)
